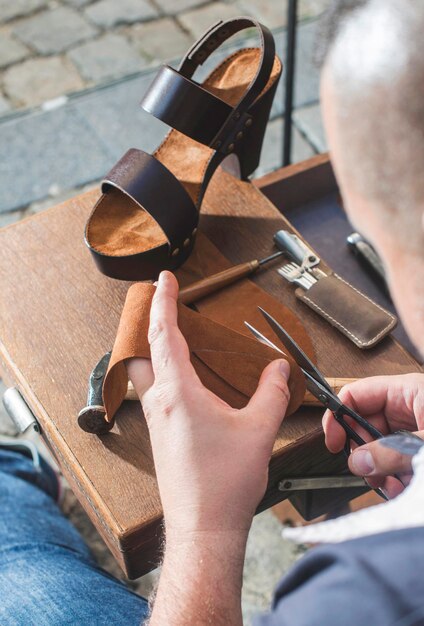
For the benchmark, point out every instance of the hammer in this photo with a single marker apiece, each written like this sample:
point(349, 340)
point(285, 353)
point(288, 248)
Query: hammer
point(92, 417)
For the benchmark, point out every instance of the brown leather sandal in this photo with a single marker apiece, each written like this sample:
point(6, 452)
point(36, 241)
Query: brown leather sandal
point(146, 219)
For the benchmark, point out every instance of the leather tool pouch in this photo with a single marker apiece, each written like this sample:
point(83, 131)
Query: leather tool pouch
point(360, 319)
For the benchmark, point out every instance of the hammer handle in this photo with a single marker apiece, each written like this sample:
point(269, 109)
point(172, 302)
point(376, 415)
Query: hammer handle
point(206, 286)
point(309, 400)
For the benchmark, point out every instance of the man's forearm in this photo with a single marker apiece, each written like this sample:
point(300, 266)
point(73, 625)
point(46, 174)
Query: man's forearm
point(201, 581)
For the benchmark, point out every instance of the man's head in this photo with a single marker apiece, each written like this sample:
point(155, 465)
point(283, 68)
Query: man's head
point(372, 91)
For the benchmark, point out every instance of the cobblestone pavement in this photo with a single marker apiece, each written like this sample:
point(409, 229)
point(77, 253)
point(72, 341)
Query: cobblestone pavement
point(53, 47)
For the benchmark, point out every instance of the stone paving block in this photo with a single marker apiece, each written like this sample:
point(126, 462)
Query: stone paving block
point(54, 30)
point(78, 3)
point(272, 151)
point(309, 121)
point(199, 20)
point(109, 57)
point(161, 39)
point(9, 9)
point(36, 80)
point(11, 51)
point(273, 13)
point(57, 196)
point(174, 7)
point(4, 105)
point(109, 13)
point(270, 13)
point(312, 8)
point(44, 150)
point(306, 89)
point(115, 115)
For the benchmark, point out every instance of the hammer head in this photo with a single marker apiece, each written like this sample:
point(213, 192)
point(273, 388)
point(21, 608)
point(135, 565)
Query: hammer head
point(92, 418)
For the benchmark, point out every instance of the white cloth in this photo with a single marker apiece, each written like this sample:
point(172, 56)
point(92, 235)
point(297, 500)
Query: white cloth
point(404, 511)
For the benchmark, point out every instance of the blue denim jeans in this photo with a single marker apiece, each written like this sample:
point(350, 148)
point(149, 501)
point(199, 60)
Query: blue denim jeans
point(47, 574)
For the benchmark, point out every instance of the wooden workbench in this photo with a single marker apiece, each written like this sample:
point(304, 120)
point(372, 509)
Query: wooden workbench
point(58, 315)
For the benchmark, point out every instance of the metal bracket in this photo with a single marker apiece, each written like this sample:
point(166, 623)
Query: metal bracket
point(19, 412)
point(320, 482)
point(23, 446)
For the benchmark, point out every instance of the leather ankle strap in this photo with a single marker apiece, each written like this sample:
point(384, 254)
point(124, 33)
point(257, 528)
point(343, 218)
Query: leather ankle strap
point(176, 99)
point(215, 36)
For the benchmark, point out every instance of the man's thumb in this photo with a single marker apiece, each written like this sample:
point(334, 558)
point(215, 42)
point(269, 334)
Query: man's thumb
point(374, 459)
point(272, 395)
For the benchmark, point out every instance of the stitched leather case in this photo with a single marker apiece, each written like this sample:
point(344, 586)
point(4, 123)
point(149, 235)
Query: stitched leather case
point(355, 315)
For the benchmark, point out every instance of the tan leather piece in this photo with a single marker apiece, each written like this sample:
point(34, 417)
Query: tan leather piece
point(225, 360)
point(117, 226)
point(233, 377)
point(240, 301)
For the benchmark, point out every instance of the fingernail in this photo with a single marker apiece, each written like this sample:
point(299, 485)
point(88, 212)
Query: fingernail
point(363, 462)
point(285, 369)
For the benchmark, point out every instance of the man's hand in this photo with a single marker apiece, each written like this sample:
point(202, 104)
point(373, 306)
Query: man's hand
point(390, 403)
point(211, 463)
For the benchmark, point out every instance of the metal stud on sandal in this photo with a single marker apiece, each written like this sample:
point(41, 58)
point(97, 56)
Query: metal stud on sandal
point(146, 218)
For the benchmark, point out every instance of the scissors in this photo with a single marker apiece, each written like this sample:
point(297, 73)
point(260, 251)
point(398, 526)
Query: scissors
point(319, 387)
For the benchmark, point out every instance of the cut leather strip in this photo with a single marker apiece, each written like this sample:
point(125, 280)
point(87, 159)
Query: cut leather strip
point(240, 301)
point(236, 360)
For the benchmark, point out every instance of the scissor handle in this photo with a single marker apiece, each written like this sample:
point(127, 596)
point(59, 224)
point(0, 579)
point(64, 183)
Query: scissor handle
point(372, 430)
point(352, 434)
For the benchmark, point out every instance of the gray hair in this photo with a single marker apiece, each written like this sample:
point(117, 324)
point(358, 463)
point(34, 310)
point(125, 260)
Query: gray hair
point(375, 57)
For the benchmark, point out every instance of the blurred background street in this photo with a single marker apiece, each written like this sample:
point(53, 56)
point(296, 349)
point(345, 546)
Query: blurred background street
point(72, 73)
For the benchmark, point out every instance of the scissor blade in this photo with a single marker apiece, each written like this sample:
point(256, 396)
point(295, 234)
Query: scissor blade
point(260, 337)
point(296, 351)
point(408, 444)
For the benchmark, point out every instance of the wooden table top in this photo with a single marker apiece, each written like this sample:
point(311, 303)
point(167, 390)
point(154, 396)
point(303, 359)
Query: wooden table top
point(58, 315)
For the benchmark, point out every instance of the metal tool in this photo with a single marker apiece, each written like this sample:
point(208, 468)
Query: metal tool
point(296, 249)
point(318, 386)
point(369, 259)
point(19, 412)
point(320, 482)
point(92, 417)
point(294, 274)
point(206, 286)
point(27, 447)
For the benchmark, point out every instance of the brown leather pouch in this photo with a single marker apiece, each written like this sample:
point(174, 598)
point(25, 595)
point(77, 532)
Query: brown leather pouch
point(360, 319)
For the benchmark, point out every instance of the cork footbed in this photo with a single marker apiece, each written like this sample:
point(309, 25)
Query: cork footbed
point(118, 227)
